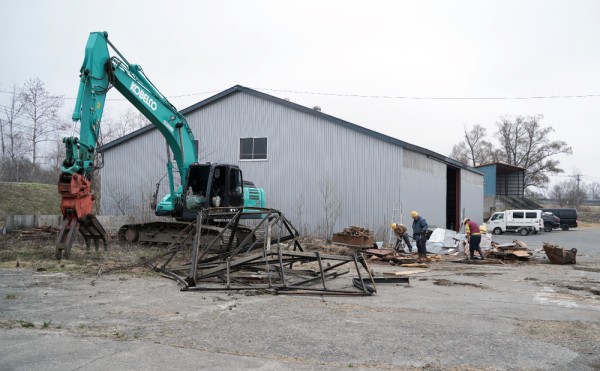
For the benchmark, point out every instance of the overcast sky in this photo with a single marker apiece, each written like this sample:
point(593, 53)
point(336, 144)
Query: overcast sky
point(354, 59)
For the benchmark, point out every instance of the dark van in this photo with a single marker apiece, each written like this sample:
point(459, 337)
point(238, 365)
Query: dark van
point(568, 217)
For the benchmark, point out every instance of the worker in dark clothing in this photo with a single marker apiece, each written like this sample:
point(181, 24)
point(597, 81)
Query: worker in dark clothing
point(419, 228)
point(473, 237)
point(401, 235)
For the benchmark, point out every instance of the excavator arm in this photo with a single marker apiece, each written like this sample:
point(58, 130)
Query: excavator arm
point(101, 71)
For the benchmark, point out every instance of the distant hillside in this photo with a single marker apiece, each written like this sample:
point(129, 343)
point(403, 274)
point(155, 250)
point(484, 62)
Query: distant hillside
point(28, 198)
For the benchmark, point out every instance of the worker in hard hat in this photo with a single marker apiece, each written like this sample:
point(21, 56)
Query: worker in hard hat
point(420, 228)
point(401, 235)
point(473, 235)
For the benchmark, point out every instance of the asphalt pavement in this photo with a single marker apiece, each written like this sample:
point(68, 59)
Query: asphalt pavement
point(511, 315)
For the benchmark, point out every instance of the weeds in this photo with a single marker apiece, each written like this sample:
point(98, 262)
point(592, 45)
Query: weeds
point(26, 324)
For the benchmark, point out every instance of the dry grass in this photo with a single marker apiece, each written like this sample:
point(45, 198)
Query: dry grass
point(28, 198)
point(39, 255)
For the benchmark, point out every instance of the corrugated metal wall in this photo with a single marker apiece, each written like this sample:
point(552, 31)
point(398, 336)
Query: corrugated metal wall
point(489, 171)
point(424, 188)
point(131, 171)
point(471, 195)
point(306, 156)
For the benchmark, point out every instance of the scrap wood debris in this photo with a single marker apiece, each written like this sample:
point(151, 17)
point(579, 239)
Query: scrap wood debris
point(37, 233)
point(405, 273)
point(356, 231)
point(394, 258)
point(515, 250)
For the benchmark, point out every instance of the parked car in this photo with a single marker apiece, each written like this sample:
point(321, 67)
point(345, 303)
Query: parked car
point(521, 221)
point(551, 221)
point(568, 217)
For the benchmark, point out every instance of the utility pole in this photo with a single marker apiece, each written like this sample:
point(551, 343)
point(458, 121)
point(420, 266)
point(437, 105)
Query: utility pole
point(578, 179)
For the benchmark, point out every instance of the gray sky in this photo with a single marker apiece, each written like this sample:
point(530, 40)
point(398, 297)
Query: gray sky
point(352, 51)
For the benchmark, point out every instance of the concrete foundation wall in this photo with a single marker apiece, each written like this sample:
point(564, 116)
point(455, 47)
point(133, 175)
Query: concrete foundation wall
point(15, 222)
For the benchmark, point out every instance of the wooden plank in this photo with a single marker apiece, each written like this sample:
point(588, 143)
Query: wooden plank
point(415, 265)
point(404, 273)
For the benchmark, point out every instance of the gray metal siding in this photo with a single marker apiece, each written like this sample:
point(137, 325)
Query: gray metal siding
point(370, 176)
point(130, 174)
point(424, 188)
point(471, 195)
point(304, 153)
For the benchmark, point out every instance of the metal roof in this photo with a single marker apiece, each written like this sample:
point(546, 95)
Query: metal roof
point(503, 167)
point(238, 88)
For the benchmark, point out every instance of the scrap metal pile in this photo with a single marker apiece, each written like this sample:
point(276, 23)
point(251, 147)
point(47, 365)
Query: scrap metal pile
point(229, 254)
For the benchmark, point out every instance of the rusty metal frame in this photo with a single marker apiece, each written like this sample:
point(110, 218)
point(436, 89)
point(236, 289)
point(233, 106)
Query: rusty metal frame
point(235, 259)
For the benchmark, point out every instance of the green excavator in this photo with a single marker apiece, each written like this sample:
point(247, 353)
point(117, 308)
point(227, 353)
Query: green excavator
point(203, 185)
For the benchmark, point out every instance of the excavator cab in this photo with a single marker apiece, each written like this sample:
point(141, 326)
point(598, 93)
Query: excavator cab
point(212, 185)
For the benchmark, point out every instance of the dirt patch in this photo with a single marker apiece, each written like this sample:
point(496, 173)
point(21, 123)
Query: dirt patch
point(445, 282)
point(579, 336)
point(480, 274)
point(587, 269)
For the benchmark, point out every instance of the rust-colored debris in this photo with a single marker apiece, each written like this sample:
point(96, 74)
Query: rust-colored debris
point(354, 237)
point(559, 255)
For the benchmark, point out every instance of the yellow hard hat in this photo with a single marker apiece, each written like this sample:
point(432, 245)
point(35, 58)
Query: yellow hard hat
point(414, 214)
point(393, 225)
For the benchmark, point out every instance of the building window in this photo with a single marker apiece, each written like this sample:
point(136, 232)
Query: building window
point(253, 148)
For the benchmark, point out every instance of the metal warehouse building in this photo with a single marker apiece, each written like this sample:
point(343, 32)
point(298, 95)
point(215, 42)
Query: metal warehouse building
point(306, 161)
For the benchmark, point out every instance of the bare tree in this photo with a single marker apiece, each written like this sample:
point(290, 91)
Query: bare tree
point(119, 199)
point(129, 122)
point(474, 149)
point(525, 143)
point(14, 147)
point(300, 205)
point(332, 206)
point(559, 192)
point(55, 156)
point(40, 110)
point(568, 193)
point(593, 190)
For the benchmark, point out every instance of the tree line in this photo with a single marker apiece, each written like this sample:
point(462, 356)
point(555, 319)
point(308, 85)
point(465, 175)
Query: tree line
point(31, 131)
point(525, 142)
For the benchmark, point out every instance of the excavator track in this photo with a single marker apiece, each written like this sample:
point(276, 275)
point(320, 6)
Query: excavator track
point(182, 233)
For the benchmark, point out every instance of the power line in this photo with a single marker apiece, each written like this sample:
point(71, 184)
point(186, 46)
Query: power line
point(578, 177)
point(124, 99)
point(531, 97)
point(434, 97)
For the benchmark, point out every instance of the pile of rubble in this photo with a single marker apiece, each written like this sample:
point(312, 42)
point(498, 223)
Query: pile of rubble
point(357, 231)
point(510, 251)
point(394, 258)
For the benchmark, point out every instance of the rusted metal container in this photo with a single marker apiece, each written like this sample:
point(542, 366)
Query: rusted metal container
point(353, 241)
point(559, 255)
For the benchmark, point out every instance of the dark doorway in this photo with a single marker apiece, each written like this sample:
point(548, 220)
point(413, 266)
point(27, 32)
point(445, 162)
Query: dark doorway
point(452, 198)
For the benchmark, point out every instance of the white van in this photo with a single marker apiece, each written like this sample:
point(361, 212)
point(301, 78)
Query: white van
point(522, 221)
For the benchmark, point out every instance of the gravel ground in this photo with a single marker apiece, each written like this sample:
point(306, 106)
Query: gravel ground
point(520, 315)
